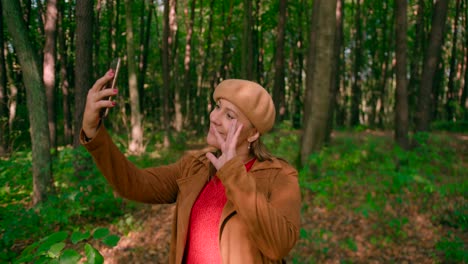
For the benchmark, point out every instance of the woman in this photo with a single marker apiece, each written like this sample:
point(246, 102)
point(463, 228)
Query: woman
point(245, 209)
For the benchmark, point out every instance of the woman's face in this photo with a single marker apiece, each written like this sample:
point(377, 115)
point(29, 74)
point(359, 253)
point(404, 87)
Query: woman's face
point(221, 119)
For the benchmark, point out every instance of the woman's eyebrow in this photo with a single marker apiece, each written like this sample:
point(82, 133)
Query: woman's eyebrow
point(228, 108)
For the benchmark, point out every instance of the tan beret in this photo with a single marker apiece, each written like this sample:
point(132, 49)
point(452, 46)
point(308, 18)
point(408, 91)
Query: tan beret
point(252, 99)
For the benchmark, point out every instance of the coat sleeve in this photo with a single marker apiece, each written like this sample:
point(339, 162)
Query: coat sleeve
point(273, 221)
point(152, 185)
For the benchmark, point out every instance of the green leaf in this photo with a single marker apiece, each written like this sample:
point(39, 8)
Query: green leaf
point(100, 233)
point(69, 256)
point(27, 254)
point(111, 240)
point(48, 241)
point(54, 251)
point(93, 256)
point(78, 236)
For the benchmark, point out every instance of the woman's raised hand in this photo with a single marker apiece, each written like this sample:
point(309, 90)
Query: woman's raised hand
point(228, 146)
point(95, 101)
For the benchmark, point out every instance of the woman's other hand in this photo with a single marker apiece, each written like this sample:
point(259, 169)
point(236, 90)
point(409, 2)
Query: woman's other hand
point(95, 101)
point(228, 146)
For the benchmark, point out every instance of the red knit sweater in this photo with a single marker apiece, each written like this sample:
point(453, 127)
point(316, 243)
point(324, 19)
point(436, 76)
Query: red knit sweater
point(203, 234)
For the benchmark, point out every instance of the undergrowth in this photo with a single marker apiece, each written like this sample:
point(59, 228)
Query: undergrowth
point(362, 196)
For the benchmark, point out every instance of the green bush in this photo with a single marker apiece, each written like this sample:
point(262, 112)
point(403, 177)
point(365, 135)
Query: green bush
point(60, 247)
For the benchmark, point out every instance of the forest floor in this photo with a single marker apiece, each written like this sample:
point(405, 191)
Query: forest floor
point(408, 228)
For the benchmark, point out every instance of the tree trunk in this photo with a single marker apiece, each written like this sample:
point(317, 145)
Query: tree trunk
point(356, 87)
point(311, 60)
point(279, 84)
point(416, 59)
point(112, 6)
point(144, 51)
point(13, 91)
point(247, 66)
point(188, 87)
point(166, 74)
point(50, 29)
point(464, 93)
point(401, 96)
point(36, 101)
point(318, 89)
point(450, 105)
point(83, 75)
point(97, 41)
point(336, 73)
point(136, 138)
point(64, 81)
point(224, 66)
point(431, 60)
point(3, 95)
point(298, 80)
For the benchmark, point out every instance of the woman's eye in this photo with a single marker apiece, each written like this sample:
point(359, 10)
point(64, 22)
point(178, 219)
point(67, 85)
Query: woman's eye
point(230, 117)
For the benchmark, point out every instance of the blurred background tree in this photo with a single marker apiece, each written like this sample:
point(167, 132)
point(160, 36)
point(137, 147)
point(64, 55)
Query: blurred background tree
point(357, 70)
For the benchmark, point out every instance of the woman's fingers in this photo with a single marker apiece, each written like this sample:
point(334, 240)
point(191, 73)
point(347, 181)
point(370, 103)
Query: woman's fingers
point(95, 101)
point(101, 82)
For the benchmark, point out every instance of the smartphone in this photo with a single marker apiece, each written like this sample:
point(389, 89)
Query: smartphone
point(115, 65)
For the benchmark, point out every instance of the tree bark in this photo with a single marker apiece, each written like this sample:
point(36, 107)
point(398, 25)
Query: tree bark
point(36, 101)
point(247, 66)
point(298, 80)
point(431, 60)
point(452, 99)
point(464, 94)
point(144, 51)
point(64, 78)
point(190, 90)
point(136, 138)
point(83, 75)
point(401, 95)
point(336, 73)
point(357, 82)
point(416, 59)
point(318, 88)
point(279, 84)
point(166, 74)
point(50, 29)
point(4, 128)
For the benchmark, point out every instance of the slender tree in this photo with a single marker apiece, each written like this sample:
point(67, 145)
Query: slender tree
point(336, 73)
point(83, 74)
point(64, 76)
point(166, 73)
point(3, 95)
point(401, 96)
point(36, 100)
point(136, 139)
point(318, 88)
point(450, 104)
point(416, 58)
point(247, 58)
point(464, 93)
point(357, 82)
point(50, 29)
point(279, 84)
point(431, 60)
point(188, 86)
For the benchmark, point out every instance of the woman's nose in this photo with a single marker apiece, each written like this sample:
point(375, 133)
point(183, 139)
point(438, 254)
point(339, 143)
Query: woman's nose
point(214, 117)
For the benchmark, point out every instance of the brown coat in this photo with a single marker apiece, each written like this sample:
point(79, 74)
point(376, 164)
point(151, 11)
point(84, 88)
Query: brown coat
point(259, 223)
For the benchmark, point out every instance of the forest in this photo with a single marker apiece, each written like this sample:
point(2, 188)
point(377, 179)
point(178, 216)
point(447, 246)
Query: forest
point(371, 108)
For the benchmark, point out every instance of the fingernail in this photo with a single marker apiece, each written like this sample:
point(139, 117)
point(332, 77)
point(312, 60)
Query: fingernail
point(114, 103)
point(110, 73)
point(115, 91)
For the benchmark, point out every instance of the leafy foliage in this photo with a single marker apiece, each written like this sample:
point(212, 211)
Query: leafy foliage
point(53, 248)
